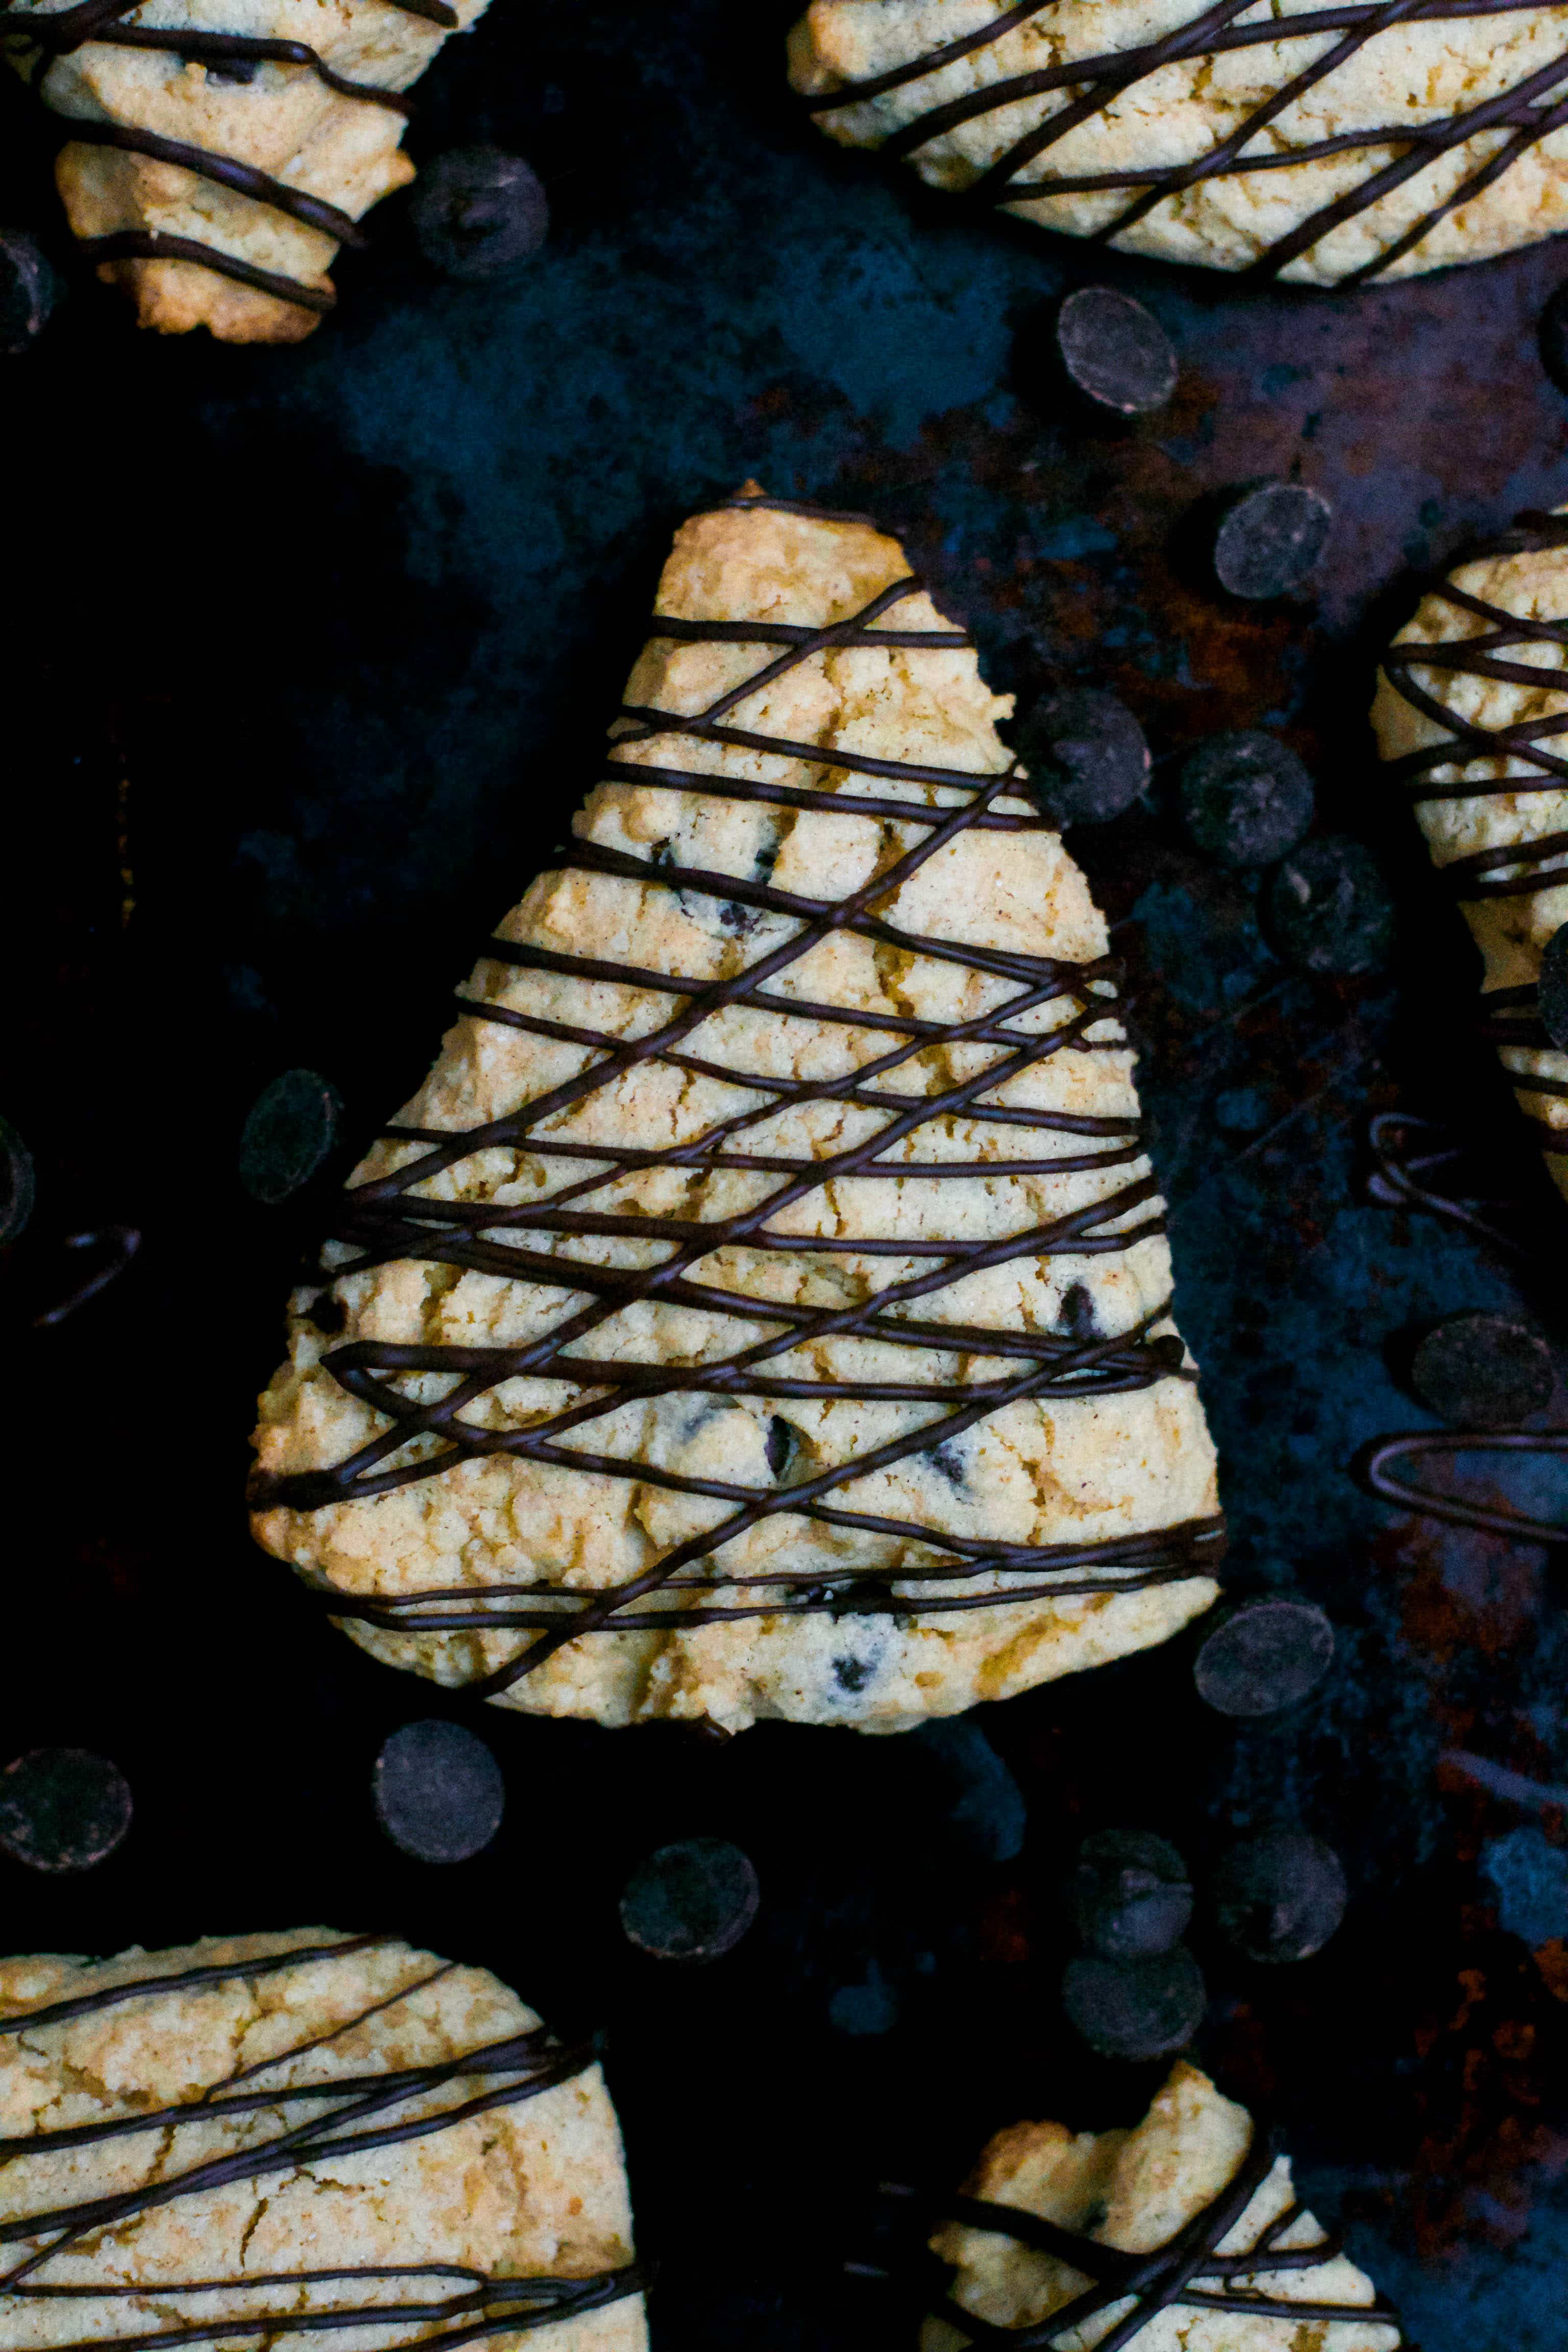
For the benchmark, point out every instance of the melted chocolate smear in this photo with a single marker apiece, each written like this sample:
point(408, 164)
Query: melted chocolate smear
point(386, 1219)
point(1528, 113)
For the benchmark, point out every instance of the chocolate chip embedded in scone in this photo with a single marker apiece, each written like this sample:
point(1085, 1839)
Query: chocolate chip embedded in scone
point(1167, 2205)
point(220, 154)
point(332, 2134)
point(763, 1307)
point(1472, 716)
point(1378, 148)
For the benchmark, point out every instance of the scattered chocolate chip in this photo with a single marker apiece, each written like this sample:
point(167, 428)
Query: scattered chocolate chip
point(1115, 351)
point(1280, 1896)
point(1270, 538)
point(16, 1185)
point(28, 291)
point(1085, 756)
point(1246, 798)
point(478, 211)
point(1129, 1894)
point(327, 1314)
point(1553, 337)
point(690, 1902)
point(1551, 997)
point(973, 1796)
point(288, 1131)
point(1264, 1656)
point(783, 1446)
point(437, 1791)
point(1482, 1371)
point(62, 1809)
point(1330, 910)
point(1135, 2009)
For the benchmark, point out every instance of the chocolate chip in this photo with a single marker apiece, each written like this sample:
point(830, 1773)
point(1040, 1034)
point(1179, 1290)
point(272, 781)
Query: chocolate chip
point(1115, 351)
point(289, 1129)
point(438, 1791)
point(1270, 538)
point(973, 1796)
point(478, 211)
point(28, 291)
point(1129, 1894)
point(1246, 798)
point(1135, 2009)
point(1479, 1370)
point(16, 1186)
point(690, 1902)
point(1280, 1896)
point(327, 1314)
point(1085, 756)
point(1551, 997)
point(1329, 907)
point(851, 1674)
point(1264, 1656)
point(1553, 337)
point(233, 72)
point(62, 1809)
point(783, 1446)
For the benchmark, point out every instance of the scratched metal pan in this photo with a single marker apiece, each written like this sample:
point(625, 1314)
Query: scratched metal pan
point(312, 652)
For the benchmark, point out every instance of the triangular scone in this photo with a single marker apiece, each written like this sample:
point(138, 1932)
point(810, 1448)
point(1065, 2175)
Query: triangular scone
point(234, 144)
point(346, 2137)
point(1482, 753)
point(1136, 123)
point(901, 1436)
point(1194, 2178)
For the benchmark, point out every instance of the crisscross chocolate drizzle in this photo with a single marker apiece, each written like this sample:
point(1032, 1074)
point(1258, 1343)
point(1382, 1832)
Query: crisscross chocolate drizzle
point(1514, 870)
point(387, 1218)
point(1525, 114)
point(1187, 2272)
point(463, 2304)
point(57, 32)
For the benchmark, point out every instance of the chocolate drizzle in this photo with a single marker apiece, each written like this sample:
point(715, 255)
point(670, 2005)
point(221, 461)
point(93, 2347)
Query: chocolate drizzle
point(466, 2305)
point(1187, 2272)
point(1527, 113)
point(57, 33)
point(1382, 1463)
point(1509, 1017)
point(386, 1218)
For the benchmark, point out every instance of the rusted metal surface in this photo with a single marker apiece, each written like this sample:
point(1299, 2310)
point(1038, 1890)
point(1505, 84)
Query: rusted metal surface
point(316, 649)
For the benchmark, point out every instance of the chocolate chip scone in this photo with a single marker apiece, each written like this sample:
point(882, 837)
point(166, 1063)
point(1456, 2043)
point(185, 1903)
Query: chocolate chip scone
point(221, 151)
point(283, 2138)
point(1470, 713)
point(1326, 146)
point(763, 1309)
point(1181, 2235)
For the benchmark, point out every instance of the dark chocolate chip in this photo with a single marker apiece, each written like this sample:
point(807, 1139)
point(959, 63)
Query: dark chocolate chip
point(16, 1185)
point(946, 1458)
point(478, 211)
point(1246, 798)
point(1264, 1656)
point(1078, 1311)
point(1482, 1371)
point(690, 1902)
point(1280, 1896)
point(28, 291)
point(233, 72)
point(1553, 337)
point(62, 1809)
point(1129, 1894)
point(1115, 351)
point(1135, 2009)
point(1552, 1001)
point(1330, 910)
point(974, 1795)
point(1270, 538)
point(851, 1674)
point(327, 1314)
point(438, 1791)
point(1085, 756)
point(289, 1129)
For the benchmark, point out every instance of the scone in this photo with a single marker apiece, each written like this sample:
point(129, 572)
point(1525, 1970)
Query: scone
point(1181, 2235)
point(1366, 144)
point(762, 1307)
point(225, 149)
point(1473, 732)
point(271, 2138)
